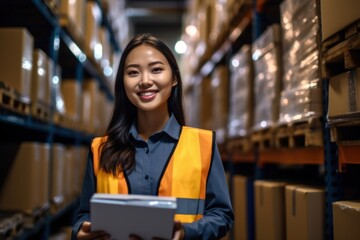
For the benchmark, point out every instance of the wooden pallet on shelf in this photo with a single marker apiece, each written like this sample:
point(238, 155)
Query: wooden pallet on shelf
point(241, 149)
point(341, 51)
point(299, 134)
point(40, 110)
point(11, 224)
point(239, 144)
point(263, 139)
point(347, 137)
point(10, 100)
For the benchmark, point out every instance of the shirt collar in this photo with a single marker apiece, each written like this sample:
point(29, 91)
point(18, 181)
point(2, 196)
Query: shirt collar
point(171, 128)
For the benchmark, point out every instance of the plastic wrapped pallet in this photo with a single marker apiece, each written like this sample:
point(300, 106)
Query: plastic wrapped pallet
point(241, 93)
point(220, 105)
point(266, 52)
point(301, 97)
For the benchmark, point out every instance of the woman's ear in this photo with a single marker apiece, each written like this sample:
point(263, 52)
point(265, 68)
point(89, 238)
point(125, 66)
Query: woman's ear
point(175, 82)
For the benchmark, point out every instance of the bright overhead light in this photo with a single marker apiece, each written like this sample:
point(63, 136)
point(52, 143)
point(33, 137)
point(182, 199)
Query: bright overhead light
point(180, 47)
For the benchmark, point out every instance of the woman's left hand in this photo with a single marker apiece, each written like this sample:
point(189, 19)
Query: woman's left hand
point(178, 233)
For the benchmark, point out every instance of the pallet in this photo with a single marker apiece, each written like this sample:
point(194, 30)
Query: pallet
point(239, 144)
point(11, 224)
point(263, 139)
point(347, 132)
point(299, 134)
point(12, 101)
point(40, 110)
point(342, 51)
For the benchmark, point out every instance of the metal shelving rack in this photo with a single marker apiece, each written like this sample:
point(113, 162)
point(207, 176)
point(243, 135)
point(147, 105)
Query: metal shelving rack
point(54, 40)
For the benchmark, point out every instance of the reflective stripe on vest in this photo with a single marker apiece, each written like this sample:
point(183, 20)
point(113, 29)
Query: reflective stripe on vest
point(185, 181)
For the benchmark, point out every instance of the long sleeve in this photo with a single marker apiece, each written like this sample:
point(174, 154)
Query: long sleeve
point(88, 189)
point(218, 216)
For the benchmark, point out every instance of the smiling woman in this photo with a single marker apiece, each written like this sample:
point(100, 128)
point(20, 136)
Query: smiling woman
point(148, 150)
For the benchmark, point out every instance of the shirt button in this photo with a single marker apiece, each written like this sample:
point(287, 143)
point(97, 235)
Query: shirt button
point(146, 177)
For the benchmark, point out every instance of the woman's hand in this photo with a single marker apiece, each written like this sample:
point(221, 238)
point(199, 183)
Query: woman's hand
point(85, 233)
point(178, 233)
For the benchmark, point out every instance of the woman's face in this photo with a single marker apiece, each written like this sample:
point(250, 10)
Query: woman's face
point(148, 78)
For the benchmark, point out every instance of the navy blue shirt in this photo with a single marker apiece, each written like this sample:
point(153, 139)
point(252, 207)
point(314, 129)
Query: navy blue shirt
point(150, 157)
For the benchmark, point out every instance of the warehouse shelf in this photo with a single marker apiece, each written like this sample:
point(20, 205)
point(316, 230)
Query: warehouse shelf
point(13, 123)
point(42, 24)
point(106, 23)
point(42, 228)
point(308, 155)
point(228, 42)
point(349, 153)
point(243, 157)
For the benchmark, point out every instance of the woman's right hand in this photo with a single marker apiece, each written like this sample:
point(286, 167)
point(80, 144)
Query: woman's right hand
point(85, 233)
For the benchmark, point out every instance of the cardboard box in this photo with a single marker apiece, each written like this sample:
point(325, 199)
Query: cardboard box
point(57, 172)
point(93, 47)
point(346, 220)
point(44, 149)
point(71, 92)
point(346, 12)
point(220, 101)
point(20, 166)
point(91, 105)
point(344, 94)
point(38, 76)
point(240, 205)
point(269, 210)
point(16, 59)
point(305, 213)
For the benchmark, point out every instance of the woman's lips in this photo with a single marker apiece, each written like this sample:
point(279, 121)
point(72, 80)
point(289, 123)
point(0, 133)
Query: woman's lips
point(147, 95)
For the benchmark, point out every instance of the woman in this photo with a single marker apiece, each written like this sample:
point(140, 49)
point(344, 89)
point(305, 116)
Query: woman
point(149, 150)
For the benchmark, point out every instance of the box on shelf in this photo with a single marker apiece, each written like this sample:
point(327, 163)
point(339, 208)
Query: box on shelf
point(219, 102)
point(44, 169)
point(240, 205)
point(57, 173)
point(204, 94)
point(71, 92)
point(16, 59)
point(305, 212)
point(346, 220)
point(38, 76)
point(93, 48)
point(90, 117)
point(346, 12)
point(21, 165)
point(344, 95)
point(269, 210)
point(72, 17)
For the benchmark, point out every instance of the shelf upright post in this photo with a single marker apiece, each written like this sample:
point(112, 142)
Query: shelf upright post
point(333, 179)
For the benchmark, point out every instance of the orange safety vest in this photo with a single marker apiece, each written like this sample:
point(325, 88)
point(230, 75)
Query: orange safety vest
point(185, 176)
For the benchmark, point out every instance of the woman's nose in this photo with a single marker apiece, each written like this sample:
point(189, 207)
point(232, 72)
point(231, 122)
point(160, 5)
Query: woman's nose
point(145, 81)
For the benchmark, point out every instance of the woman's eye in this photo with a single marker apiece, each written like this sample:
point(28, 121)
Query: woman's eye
point(132, 73)
point(157, 70)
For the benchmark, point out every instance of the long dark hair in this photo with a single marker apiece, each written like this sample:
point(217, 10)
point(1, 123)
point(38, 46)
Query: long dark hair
point(118, 153)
